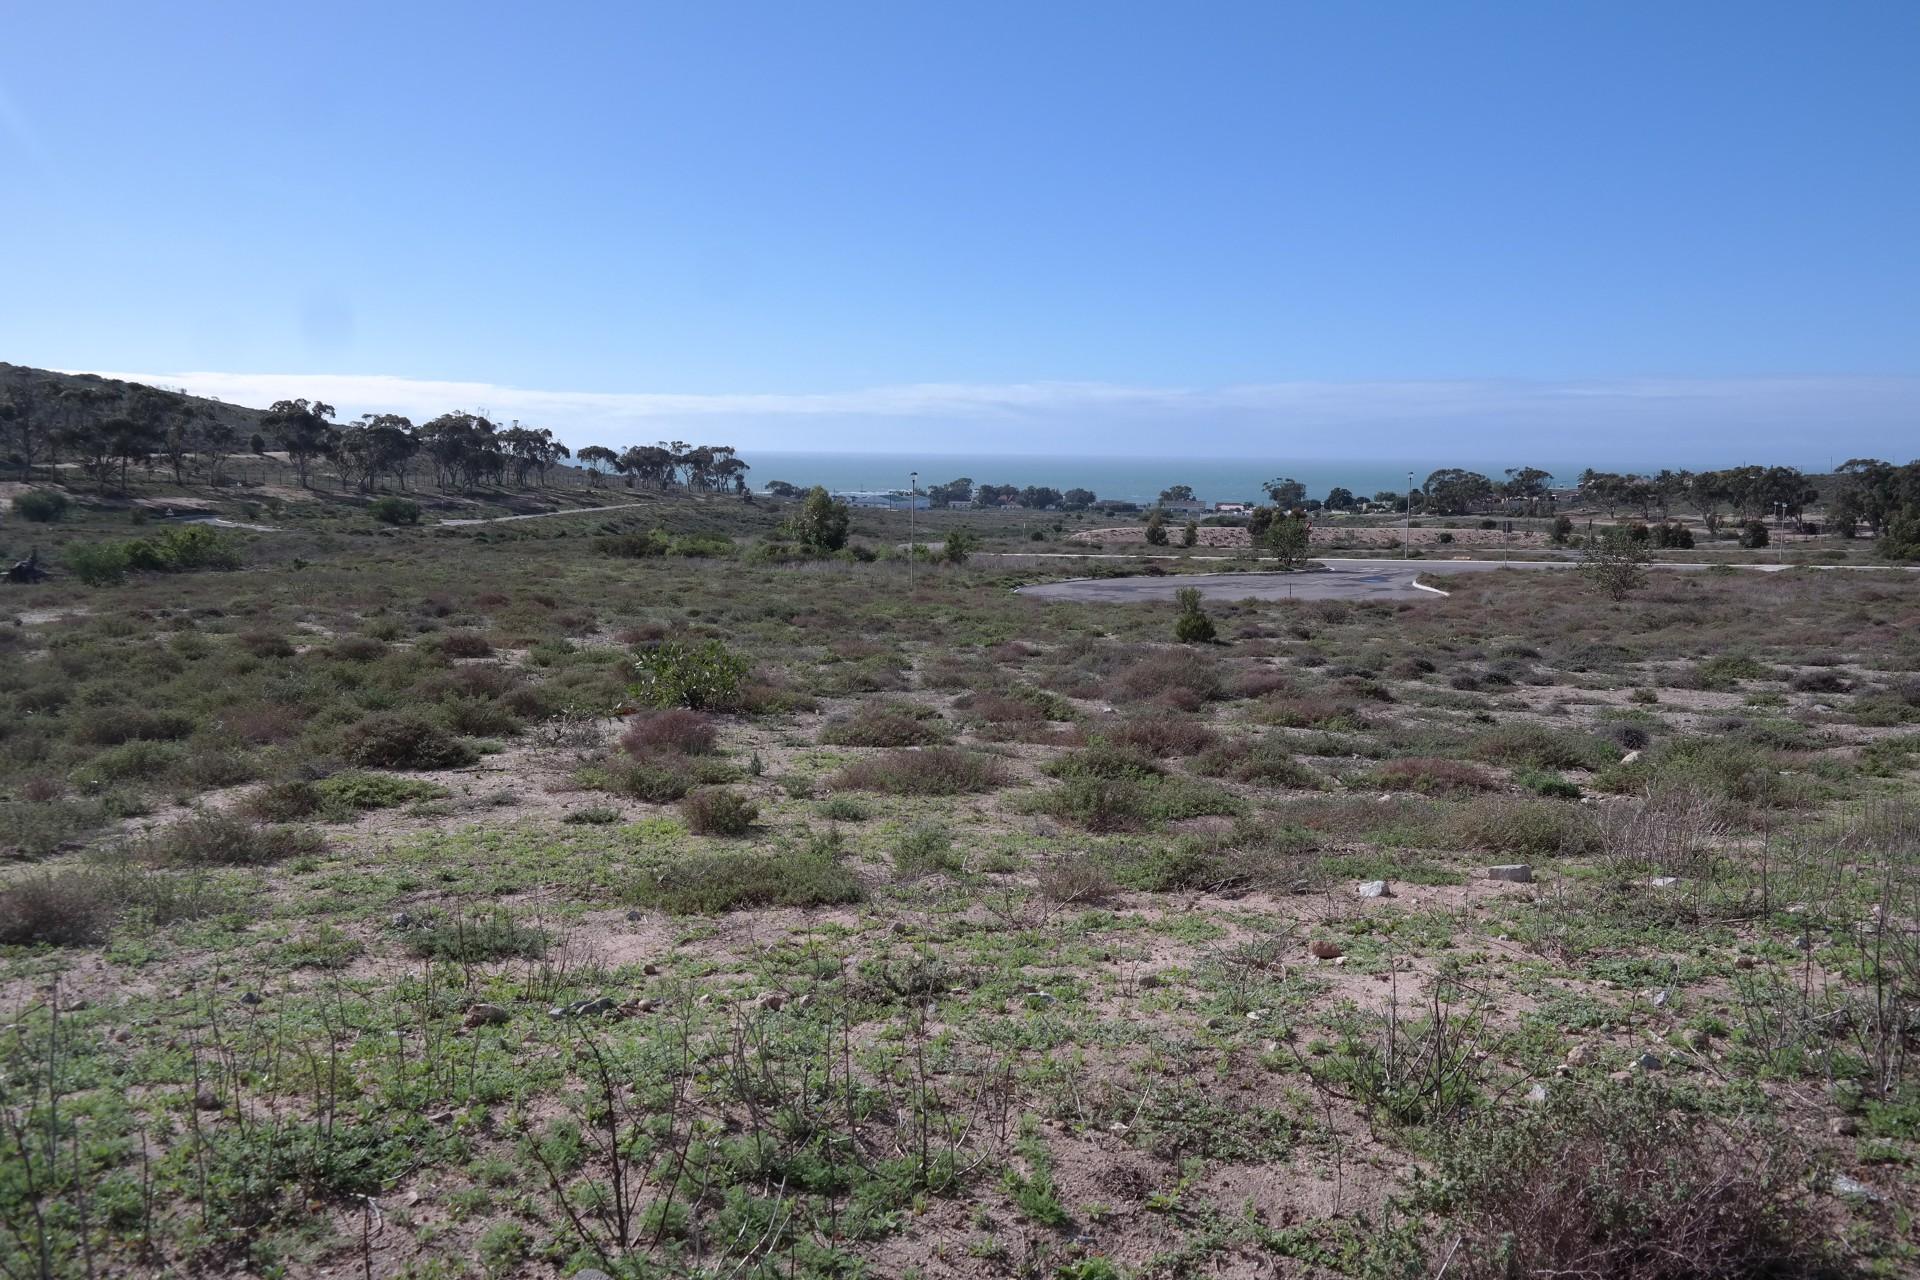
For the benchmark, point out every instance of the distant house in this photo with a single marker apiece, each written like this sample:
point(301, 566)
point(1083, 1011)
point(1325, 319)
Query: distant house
point(963, 504)
point(1232, 508)
point(1183, 507)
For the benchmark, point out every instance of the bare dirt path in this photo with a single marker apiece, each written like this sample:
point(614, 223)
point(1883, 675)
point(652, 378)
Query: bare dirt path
point(542, 515)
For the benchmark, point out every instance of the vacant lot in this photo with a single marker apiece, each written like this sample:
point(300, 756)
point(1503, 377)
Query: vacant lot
point(472, 901)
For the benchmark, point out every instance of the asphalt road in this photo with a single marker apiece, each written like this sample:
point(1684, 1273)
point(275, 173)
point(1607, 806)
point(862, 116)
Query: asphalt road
point(1345, 580)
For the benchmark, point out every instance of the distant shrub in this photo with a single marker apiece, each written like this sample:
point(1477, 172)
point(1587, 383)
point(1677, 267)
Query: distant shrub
point(1820, 681)
point(885, 725)
point(845, 809)
point(1724, 671)
point(1192, 625)
point(282, 802)
point(657, 778)
point(98, 564)
point(403, 740)
point(1623, 1184)
point(477, 937)
point(357, 649)
point(1175, 676)
point(107, 727)
point(70, 908)
point(1431, 775)
point(1077, 879)
point(1163, 735)
point(1550, 785)
point(1753, 535)
point(925, 850)
point(1309, 712)
point(1526, 745)
point(713, 883)
point(392, 510)
point(464, 644)
point(265, 644)
point(1132, 803)
point(226, 840)
point(1529, 826)
point(353, 792)
point(674, 729)
point(1266, 763)
point(41, 506)
point(717, 811)
point(673, 674)
point(1104, 760)
point(934, 771)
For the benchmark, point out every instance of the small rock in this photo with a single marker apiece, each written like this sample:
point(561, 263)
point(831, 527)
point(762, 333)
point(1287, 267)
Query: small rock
point(440, 1117)
point(897, 928)
point(1514, 873)
point(207, 1100)
point(1649, 1062)
point(772, 1000)
point(1745, 962)
point(635, 916)
point(583, 1008)
point(591, 1273)
point(1324, 950)
point(1151, 981)
point(1664, 882)
point(1630, 757)
point(252, 997)
point(1844, 1126)
point(1659, 999)
point(650, 969)
point(400, 920)
point(1582, 1054)
point(1537, 1095)
point(487, 1015)
point(1853, 1188)
point(1699, 1040)
point(1375, 889)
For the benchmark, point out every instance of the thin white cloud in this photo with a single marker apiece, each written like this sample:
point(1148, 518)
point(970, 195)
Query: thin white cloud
point(1622, 421)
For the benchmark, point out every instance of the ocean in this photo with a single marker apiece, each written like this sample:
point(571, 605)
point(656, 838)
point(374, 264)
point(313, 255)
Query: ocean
point(1122, 478)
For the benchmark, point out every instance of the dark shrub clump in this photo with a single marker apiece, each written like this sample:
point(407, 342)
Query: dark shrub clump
point(676, 730)
point(403, 740)
point(716, 811)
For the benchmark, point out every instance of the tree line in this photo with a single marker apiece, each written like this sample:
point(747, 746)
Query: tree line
point(107, 433)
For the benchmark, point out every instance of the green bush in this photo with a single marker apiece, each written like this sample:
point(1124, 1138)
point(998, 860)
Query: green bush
point(713, 883)
point(475, 937)
point(1517, 825)
point(98, 564)
point(935, 771)
point(392, 510)
point(716, 811)
point(41, 506)
point(672, 674)
point(1192, 626)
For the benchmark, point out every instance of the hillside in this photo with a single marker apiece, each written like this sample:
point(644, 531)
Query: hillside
point(70, 399)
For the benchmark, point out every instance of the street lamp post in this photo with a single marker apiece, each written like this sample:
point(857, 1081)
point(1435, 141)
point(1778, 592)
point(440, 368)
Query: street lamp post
point(1406, 542)
point(913, 489)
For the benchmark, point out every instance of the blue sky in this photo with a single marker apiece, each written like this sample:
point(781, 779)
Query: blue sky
point(1621, 228)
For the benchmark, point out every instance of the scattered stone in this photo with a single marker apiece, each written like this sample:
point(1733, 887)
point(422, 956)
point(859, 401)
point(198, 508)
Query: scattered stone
point(1537, 1095)
point(1151, 981)
point(1325, 950)
point(1854, 1189)
point(207, 1100)
point(252, 997)
point(591, 1273)
point(650, 969)
point(1582, 1054)
point(772, 1000)
point(897, 928)
point(1630, 757)
point(1745, 962)
point(583, 1008)
point(440, 1117)
point(1664, 882)
point(1649, 1062)
point(1699, 1040)
point(1659, 999)
point(1844, 1126)
point(634, 917)
point(1375, 889)
point(400, 920)
point(487, 1015)
point(1514, 873)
